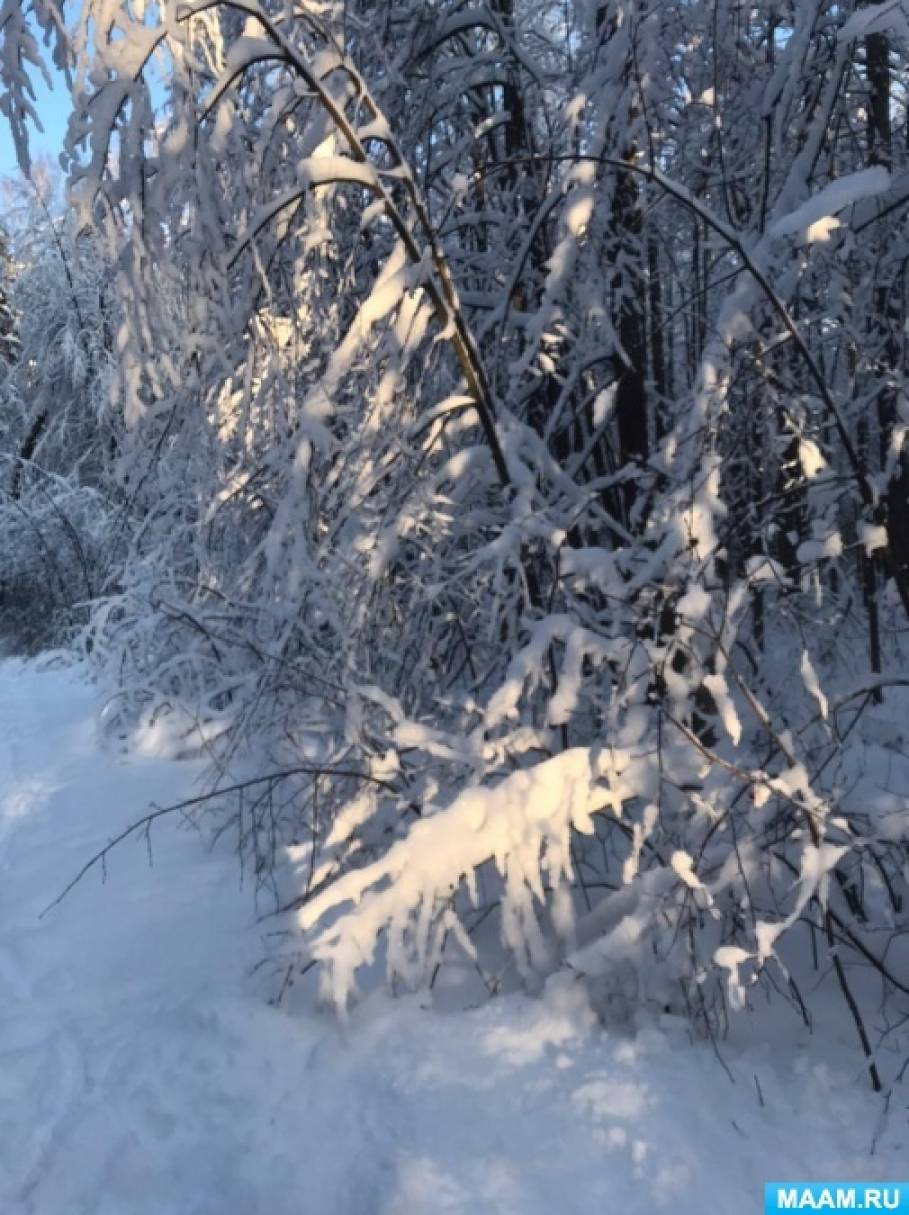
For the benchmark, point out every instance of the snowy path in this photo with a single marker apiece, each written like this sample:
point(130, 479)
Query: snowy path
point(140, 1074)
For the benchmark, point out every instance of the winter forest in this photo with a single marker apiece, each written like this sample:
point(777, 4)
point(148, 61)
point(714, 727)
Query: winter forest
point(470, 440)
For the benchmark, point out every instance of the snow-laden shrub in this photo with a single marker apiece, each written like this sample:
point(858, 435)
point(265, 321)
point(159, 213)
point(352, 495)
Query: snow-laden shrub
point(666, 859)
point(58, 543)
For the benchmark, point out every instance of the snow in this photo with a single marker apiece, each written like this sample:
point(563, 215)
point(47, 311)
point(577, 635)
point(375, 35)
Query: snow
point(731, 957)
point(876, 19)
point(813, 218)
point(142, 1071)
point(819, 233)
point(579, 208)
point(395, 893)
point(816, 550)
point(809, 676)
point(811, 458)
point(873, 537)
point(717, 687)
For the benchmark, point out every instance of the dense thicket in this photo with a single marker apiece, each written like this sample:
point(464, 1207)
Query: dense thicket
point(502, 434)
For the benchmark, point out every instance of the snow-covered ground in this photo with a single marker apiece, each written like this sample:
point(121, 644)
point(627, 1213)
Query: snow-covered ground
point(142, 1071)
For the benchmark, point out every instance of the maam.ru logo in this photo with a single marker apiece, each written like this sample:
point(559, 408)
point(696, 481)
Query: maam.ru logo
point(782, 1196)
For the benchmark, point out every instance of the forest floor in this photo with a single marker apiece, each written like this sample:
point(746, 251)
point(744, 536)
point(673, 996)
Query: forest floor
point(143, 1072)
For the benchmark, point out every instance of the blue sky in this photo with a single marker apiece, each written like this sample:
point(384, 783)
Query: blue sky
point(53, 107)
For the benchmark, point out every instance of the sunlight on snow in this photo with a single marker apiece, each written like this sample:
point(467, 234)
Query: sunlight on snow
point(25, 797)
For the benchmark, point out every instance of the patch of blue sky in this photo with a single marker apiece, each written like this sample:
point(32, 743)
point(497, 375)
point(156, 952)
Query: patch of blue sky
point(53, 107)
